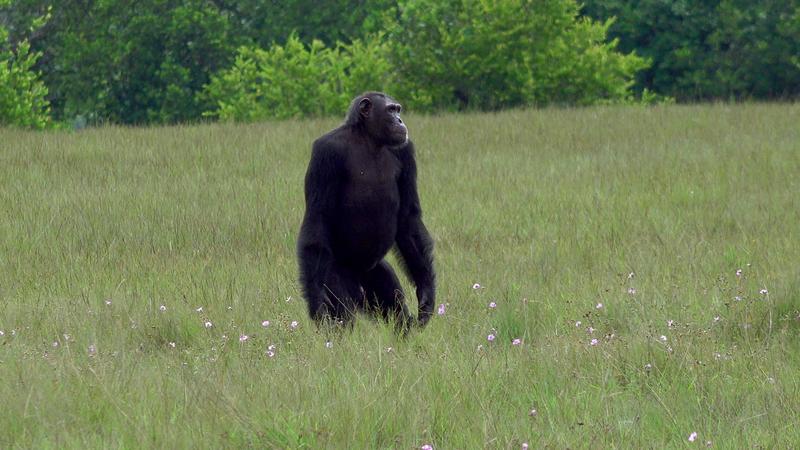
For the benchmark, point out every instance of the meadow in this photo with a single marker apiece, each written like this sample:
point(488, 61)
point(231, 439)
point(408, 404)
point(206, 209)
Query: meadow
point(612, 277)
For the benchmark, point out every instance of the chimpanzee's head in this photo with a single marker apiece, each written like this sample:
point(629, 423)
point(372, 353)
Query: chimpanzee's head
point(379, 115)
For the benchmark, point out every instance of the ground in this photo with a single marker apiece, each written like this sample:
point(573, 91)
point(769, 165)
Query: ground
point(611, 277)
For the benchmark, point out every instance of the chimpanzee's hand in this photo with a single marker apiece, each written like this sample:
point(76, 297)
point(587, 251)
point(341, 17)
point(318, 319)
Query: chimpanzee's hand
point(426, 298)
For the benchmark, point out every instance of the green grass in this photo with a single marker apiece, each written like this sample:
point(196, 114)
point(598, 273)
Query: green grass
point(548, 210)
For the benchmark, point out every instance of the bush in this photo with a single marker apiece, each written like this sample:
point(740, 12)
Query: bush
point(23, 95)
point(295, 80)
point(482, 54)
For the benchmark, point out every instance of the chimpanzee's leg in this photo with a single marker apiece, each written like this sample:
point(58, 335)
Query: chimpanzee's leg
point(385, 295)
point(343, 297)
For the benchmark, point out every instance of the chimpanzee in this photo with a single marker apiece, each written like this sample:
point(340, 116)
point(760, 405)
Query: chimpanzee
point(361, 200)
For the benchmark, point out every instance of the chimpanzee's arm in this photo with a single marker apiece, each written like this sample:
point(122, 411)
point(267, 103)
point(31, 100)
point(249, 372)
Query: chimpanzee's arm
point(314, 249)
point(413, 241)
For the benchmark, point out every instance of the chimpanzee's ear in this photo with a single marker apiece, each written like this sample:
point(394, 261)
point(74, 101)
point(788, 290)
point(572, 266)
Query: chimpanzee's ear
point(365, 107)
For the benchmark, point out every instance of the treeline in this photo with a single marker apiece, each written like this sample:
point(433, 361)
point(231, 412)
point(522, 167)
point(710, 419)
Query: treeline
point(703, 50)
point(79, 62)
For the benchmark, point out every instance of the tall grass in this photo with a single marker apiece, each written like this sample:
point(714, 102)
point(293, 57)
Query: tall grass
point(609, 239)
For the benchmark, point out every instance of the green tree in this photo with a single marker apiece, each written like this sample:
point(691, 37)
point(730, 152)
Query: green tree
point(263, 23)
point(296, 80)
point(710, 49)
point(23, 99)
point(490, 54)
point(131, 61)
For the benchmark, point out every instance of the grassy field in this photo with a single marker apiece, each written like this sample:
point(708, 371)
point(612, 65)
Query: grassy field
point(137, 267)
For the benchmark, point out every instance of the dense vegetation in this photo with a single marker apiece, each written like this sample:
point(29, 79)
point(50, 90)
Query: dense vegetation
point(701, 50)
point(168, 61)
point(646, 259)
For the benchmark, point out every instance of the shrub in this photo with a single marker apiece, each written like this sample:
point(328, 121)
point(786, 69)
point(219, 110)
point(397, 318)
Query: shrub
point(483, 54)
point(296, 80)
point(23, 95)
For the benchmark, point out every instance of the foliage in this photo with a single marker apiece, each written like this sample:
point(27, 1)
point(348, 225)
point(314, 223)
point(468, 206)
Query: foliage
point(23, 94)
point(295, 80)
point(437, 55)
point(107, 60)
point(265, 23)
point(148, 61)
point(705, 50)
point(494, 54)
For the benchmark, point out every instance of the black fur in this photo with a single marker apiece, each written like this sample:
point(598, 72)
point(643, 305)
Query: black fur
point(361, 200)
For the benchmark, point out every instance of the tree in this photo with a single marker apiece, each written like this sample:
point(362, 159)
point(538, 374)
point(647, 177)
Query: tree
point(710, 49)
point(485, 54)
point(22, 93)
